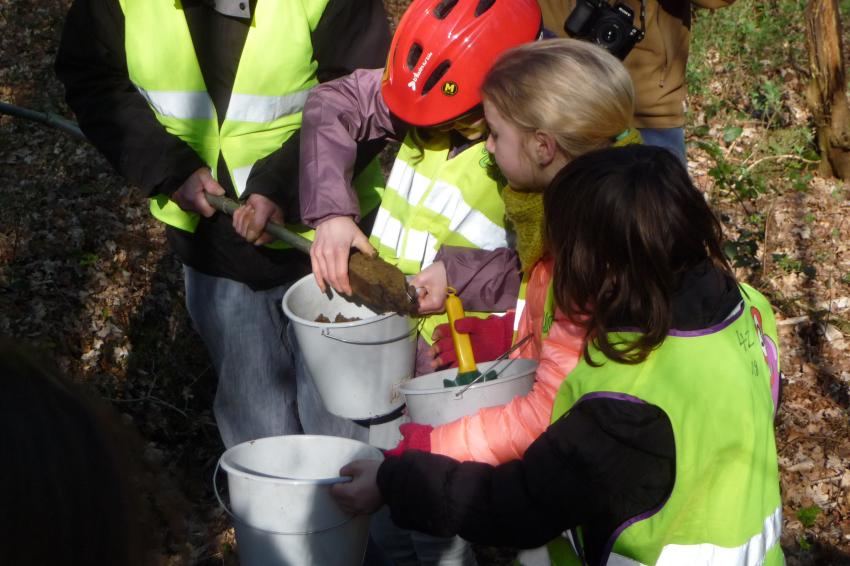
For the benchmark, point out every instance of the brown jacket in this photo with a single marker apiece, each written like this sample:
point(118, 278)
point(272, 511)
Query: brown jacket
point(656, 64)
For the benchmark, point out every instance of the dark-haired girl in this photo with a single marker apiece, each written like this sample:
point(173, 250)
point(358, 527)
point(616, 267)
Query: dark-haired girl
point(661, 448)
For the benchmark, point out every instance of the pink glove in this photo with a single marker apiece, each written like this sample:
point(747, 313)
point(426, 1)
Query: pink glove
point(415, 436)
point(491, 337)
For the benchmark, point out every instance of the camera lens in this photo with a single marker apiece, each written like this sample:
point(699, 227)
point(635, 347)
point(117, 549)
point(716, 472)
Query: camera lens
point(609, 34)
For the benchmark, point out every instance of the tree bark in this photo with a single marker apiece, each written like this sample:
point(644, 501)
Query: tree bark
point(826, 93)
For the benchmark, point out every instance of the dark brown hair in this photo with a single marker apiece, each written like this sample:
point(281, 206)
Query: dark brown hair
point(623, 224)
point(64, 490)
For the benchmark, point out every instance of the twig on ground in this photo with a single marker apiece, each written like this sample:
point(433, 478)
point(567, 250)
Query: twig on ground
point(775, 157)
point(792, 321)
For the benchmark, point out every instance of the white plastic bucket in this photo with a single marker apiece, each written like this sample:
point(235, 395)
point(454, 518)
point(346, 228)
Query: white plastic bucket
point(281, 504)
point(428, 402)
point(357, 366)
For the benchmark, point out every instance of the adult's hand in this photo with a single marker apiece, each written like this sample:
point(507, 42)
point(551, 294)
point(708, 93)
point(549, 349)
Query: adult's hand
point(190, 195)
point(361, 495)
point(250, 219)
point(329, 254)
point(431, 285)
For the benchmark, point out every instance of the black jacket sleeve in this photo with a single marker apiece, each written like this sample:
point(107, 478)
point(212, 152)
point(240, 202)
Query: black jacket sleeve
point(352, 34)
point(604, 461)
point(112, 114)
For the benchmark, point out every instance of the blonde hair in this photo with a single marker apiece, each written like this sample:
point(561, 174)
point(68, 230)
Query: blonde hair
point(578, 92)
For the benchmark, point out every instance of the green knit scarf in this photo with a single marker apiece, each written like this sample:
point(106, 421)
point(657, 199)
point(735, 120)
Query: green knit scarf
point(525, 212)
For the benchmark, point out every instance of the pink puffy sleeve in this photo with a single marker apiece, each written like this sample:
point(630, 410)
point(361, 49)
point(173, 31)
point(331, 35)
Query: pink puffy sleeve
point(500, 434)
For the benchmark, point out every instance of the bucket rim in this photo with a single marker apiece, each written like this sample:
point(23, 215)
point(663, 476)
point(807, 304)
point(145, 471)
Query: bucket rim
point(433, 390)
point(313, 324)
point(249, 474)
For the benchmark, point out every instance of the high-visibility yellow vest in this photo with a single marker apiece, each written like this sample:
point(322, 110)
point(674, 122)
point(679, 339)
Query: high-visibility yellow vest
point(715, 386)
point(431, 201)
point(276, 71)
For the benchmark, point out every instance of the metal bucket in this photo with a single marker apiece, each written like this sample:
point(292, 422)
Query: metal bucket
point(357, 366)
point(428, 402)
point(281, 504)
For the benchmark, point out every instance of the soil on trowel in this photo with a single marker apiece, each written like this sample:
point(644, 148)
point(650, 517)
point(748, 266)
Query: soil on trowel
point(339, 318)
point(380, 286)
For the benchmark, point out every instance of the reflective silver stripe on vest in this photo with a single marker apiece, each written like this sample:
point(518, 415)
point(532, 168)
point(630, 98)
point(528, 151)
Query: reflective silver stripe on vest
point(750, 553)
point(447, 200)
point(263, 109)
point(180, 104)
point(240, 178)
point(410, 245)
point(444, 199)
point(520, 306)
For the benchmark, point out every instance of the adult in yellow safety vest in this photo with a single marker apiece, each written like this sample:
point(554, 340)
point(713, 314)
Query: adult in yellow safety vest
point(661, 449)
point(194, 97)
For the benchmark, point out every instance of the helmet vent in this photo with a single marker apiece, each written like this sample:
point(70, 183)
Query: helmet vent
point(413, 56)
point(483, 6)
point(435, 76)
point(443, 8)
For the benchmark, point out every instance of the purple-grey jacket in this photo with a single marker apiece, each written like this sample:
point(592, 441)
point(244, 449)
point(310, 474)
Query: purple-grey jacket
point(338, 116)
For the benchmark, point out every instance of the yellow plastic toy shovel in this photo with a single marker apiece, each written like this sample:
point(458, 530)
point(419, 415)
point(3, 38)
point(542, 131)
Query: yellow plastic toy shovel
point(467, 371)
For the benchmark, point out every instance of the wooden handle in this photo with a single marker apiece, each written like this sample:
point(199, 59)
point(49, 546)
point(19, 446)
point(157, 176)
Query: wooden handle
point(279, 231)
point(461, 341)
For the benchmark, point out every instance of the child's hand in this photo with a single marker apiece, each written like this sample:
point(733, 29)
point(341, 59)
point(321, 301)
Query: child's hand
point(490, 337)
point(360, 496)
point(431, 283)
point(330, 250)
point(414, 436)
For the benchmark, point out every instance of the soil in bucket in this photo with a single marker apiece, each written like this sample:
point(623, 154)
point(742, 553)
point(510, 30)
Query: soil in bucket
point(281, 504)
point(356, 365)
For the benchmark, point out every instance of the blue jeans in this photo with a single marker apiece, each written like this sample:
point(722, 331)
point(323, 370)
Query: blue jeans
point(672, 139)
point(412, 548)
point(244, 332)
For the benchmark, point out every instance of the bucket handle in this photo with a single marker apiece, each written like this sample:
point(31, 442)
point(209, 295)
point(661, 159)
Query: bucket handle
point(326, 332)
point(232, 515)
point(500, 359)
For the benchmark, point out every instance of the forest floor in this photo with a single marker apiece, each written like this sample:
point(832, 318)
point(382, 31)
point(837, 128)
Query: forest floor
point(85, 273)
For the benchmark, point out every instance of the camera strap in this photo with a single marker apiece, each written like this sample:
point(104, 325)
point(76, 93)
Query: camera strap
point(643, 19)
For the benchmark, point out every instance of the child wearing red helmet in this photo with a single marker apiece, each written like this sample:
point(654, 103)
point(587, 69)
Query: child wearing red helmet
point(443, 189)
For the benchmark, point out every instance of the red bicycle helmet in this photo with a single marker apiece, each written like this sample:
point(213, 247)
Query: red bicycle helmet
point(442, 50)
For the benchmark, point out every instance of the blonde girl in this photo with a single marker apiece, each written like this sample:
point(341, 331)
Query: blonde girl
point(545, 103)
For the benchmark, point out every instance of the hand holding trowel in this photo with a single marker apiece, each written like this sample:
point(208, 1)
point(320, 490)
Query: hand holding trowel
point(375, 283)
point(467, 371)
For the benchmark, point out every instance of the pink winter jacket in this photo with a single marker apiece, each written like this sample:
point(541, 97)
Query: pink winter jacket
point(500, 434)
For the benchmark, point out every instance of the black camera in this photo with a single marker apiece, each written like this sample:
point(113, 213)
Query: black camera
point(611, 27)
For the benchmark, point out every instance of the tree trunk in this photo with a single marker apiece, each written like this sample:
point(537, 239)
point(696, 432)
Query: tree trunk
point(826, 92)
